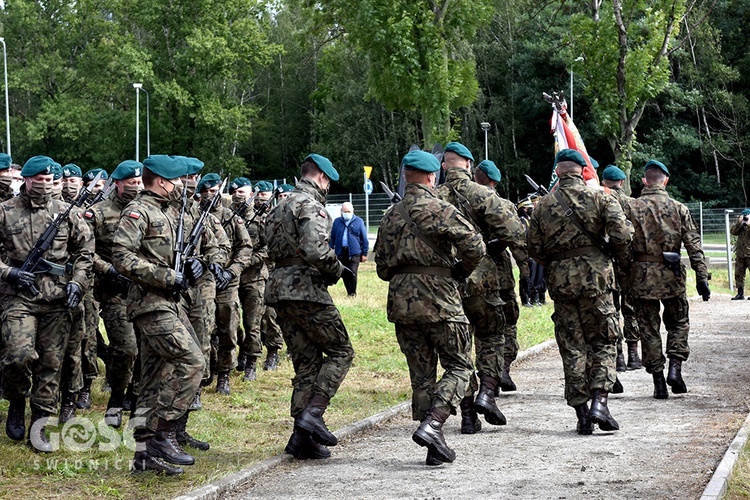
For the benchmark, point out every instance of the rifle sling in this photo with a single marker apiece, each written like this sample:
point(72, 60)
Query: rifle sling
point(418, 234)
point(470, 212)
point(570, 214)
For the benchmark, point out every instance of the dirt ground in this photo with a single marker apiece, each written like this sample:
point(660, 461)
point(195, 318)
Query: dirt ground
point(665, 448)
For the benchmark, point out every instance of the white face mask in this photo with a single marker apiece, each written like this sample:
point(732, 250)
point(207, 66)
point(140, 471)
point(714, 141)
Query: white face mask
point(347, 215)
point(16, 187)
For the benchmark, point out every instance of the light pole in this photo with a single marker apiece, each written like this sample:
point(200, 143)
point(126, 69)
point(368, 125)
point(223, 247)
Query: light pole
point(578, 59)
point(148, 124)
point(7, 110)
point(485, 126)
point(137, 87)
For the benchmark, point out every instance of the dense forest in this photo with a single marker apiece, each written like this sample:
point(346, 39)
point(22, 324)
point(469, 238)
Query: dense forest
point(251, 87)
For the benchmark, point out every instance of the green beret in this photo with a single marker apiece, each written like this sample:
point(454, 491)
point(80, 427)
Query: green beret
point(264, 186)
point(613, 173)
point(37, 165)
point(89, 176)
point(746, 211)
point(656, 164)
point(165, 166)
point(57, 171)
point(285, 188)
point(238, 183)
point(594, 163)
point(489, 168)
point(127, 170)
point(5, 161)
point(570, 155)
point(72, 170)
point(420, 160)
point(459, 149)
point(325, 165)
point(208, 181)
point(194, 165)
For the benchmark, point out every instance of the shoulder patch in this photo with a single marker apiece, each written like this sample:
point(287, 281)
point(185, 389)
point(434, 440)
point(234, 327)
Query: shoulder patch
point(134, 215)
point(323, 213)
point(89, 214)
point(240, 221)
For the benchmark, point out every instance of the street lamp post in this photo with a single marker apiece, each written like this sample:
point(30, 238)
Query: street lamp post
point(7, 110)
point(148, 123)
point(137, 87)
point(485, 126)
point(578, 59)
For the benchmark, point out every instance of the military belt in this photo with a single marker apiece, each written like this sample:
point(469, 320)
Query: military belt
point(644, 257)
point(291, 261)
point(569, 254)
point(46, 267)
point(431, 270)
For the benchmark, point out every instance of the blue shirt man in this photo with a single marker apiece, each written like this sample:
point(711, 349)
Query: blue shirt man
point(349, 241)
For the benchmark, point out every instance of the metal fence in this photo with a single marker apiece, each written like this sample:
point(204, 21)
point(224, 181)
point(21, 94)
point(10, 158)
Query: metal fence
point(712, 221)
point(370, 210)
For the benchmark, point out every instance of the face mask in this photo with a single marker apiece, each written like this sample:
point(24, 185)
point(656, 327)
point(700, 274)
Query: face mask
point(191, 185)
point(40, 192)
point(238, 198)
point(206, 196)
point(347, 215)
point(129, 192)
point(6, 182)
point(69, 192)
point(15, 186)
point(176, 193)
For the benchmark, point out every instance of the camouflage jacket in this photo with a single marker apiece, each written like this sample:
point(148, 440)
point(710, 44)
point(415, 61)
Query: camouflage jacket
point(517, 249)
point(425, 298)
point(623, 199)
point(214, 245)
point(257, 268)
point(241, 246)
point(21, 225)
point(299, 229)
point(490, 217)
point(552, 234)
point(143, 250)
point(103, 219)
point(662, 225)
point(6, 193)
point(742, 232)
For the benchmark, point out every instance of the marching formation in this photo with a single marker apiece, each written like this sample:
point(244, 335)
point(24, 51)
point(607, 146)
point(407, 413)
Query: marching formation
point(191, 286)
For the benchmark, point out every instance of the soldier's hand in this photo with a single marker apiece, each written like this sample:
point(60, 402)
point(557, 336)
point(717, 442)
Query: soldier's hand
point(180, 282)
point(459, 272)
point(223, 279)
point(118, 279)
point(194, 269)
point(703, 290)
point(330, 279)
point(20, 279)
point(74, 293)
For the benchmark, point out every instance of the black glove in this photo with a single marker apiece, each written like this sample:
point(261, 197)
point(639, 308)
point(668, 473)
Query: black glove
point(20, 279)
point(495, 249)
point(180, 282)
point(117, 279)
point(194, 269)
point(75, 294)
point(703, 290)
point(330, 279)
point(223, 279)
point(459, 272)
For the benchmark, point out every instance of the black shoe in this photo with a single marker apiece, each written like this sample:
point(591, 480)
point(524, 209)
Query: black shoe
point(660, 386)
point(506, 383)
point(311, 421)
point(15, 426)
point(84, 397)
point(740, 294)
point(433, 458)
point(599, 413)
point(113, 417)
point(67, 412)
point(222, 384)
point(185, 439)
point(470, 423)
point(37, 439)
point(620, 363)
point(430, 434)
point(240, 364)
point(143, 462)
point(272, 361)
point(485, 404)
point(617, 388)
point(250, 374)
point(127, 404)
point(302, 446)
point(165, 446)
point(196, 404)
point(634, 361)
point(674, 377)
point(584, 427)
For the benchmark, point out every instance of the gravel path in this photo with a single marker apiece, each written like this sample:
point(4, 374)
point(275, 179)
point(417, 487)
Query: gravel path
point(665, 449)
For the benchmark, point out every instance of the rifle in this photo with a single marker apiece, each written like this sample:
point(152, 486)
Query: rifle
point(240, 210)
point(540, 190)
point(195, 235)
point(395, 198)
point(103, 192)
point(262, 209)
point(179, 244)
point(35, 260)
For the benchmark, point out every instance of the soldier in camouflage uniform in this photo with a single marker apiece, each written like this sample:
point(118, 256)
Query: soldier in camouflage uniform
point(481, 297)
point(35, 328)
point(227, 281)
point(316, 338)
point(111, 289)
point(663, 225)
point(6, 177)
point(741, 229)
point(487, 174)
point(418, 242)
point(172, 361)
point(581, 279)
point(613, 179)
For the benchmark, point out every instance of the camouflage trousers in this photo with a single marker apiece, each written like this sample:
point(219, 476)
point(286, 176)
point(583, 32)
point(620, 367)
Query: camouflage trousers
point(89, 363)
point(741, 265)
point(424, 345)
point(201, 311)
point(510, 331)
point(35, 338)
point(319, 345)
point(677, 322)
point(623, 304)
point(488, 325)
point(172, 365)
point(586, 331)
point(72, 374)
point(227, 324)
point(253, 307)
point(123, 346)
point(270, 331)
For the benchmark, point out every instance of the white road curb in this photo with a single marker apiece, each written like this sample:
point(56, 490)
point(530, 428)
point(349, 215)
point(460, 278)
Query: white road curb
point(717, 487)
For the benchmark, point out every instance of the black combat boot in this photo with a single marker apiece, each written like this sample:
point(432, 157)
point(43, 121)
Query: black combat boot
point(272, 360)
point(599, 413)
point(131, 398)
point(164, 444)
point(430, 434)
point(506, 383)
point(68, 407)
point(660, 385)
point(113, 416)
point(674, 377)
point(250, 373)
point(241, 363)
point(433, 458)
point(634, 361)
point(84, 396)
point(222, 384)
point(470, 423)
point(620, 365)
point(485, 402)
point(311, 421)
point(15, 426)
point(37, 437)
point(196, 404)
point(617, 387)
point(144, 462)
point(740, 294)
point(185, 439)
point(584, 425)
point(302, 446)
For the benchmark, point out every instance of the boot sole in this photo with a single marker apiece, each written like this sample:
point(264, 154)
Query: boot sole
point(172, 461)
point(425, 441)
point(318, 437)
point(604, 423)
point(489, 414)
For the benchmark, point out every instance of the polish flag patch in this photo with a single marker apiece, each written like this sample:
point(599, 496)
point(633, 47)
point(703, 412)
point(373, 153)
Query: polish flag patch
point(134, 215)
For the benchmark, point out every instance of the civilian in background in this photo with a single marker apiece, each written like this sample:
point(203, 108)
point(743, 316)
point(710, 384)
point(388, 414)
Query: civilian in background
point(349, 241)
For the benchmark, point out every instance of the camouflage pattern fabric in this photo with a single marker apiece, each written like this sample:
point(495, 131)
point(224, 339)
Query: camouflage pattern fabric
point(511, 314)
point(6, 193)
point(742, 251)
point(741, 265)
point(252, 289)
point(89, 363)
point(676, 321)
point(622, 294)
point(71, 379)
point(270, 331)
point(123, 345)
point(487, 323)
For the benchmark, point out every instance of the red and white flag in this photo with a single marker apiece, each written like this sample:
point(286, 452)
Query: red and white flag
point(567, 137)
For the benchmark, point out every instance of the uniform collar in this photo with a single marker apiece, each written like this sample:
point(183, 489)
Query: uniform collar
point(310, 187)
